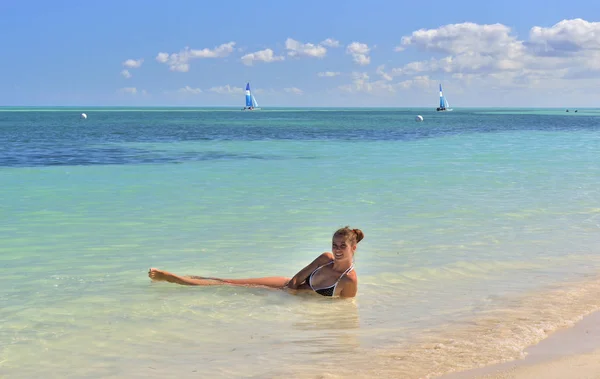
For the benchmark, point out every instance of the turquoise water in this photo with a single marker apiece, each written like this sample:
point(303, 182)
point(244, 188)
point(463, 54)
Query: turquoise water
point(481, 238)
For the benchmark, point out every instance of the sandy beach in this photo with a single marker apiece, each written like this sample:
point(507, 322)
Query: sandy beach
point(572, 353)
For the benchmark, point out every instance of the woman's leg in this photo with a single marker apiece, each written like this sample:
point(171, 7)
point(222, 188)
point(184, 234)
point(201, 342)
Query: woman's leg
point(272, 282)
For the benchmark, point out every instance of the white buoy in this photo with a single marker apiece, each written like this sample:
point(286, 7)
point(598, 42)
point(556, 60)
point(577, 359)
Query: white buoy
point(83, 116)
point(419, 118)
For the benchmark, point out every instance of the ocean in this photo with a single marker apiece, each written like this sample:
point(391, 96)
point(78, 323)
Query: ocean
point(482, 231)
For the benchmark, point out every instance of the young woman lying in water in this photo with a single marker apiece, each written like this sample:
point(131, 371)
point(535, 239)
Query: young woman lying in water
point(330, 274)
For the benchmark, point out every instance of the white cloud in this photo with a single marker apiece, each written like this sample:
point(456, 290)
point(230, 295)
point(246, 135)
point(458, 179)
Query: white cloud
point(328, 74)
point(294, 90)
point(563, 57)
point(218, 52)
point(180, 61)
point(330, 42)
point(359, 52)
point(296, 48)
point(187, 90)
point(361, 83)
point(465, 56)
point(381, 72)
point(420, 82)
point(570, 49)
point(128, 90)
point(266, 56)
point(162, 57)
point(227, 90)
point(565, 38)
point(464, 38)
point(471, 48)
point(132, 63)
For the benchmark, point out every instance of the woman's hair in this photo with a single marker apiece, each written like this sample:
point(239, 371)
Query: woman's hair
point(352, 235)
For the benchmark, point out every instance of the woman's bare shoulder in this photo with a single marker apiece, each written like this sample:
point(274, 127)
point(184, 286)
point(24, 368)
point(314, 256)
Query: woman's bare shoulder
point(326, 256)
point(351, 276)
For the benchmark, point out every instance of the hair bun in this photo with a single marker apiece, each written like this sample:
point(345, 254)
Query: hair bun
point(359, 235)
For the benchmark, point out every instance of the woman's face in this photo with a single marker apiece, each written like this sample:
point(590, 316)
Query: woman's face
point(342, 249)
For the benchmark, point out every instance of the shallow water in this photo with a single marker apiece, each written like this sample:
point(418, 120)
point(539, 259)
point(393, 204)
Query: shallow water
point(481, 237)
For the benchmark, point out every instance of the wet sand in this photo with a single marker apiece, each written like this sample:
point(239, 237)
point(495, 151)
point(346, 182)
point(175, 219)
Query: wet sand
point(572, 353)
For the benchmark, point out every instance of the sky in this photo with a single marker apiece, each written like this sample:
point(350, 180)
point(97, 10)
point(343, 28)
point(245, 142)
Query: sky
point(311, 53)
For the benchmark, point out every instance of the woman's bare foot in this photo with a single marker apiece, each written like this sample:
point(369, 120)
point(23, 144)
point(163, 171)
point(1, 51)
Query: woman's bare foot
point(158, 275)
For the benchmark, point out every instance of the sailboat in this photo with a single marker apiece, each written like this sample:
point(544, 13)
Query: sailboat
point(444, 106)
point(251, 104)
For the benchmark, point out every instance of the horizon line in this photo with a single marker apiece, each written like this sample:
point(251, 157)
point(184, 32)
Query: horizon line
point(289, 107)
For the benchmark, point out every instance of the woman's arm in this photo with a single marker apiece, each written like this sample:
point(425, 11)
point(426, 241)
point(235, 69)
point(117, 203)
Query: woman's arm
point(301, 276)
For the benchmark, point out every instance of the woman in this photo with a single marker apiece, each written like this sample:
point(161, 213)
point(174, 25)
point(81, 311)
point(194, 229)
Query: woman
point(330, 274)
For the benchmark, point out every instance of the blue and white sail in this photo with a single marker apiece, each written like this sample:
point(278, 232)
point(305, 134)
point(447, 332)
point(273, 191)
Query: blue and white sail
point(248, 96)
point(442, 100)
point(444, 105)
point(251, 103)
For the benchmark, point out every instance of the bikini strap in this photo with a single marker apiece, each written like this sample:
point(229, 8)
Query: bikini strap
point(345, 272)
point(341, 276)
point(317, 269)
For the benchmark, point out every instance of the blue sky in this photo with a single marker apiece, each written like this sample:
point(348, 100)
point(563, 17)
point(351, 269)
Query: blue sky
point(309, 53)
